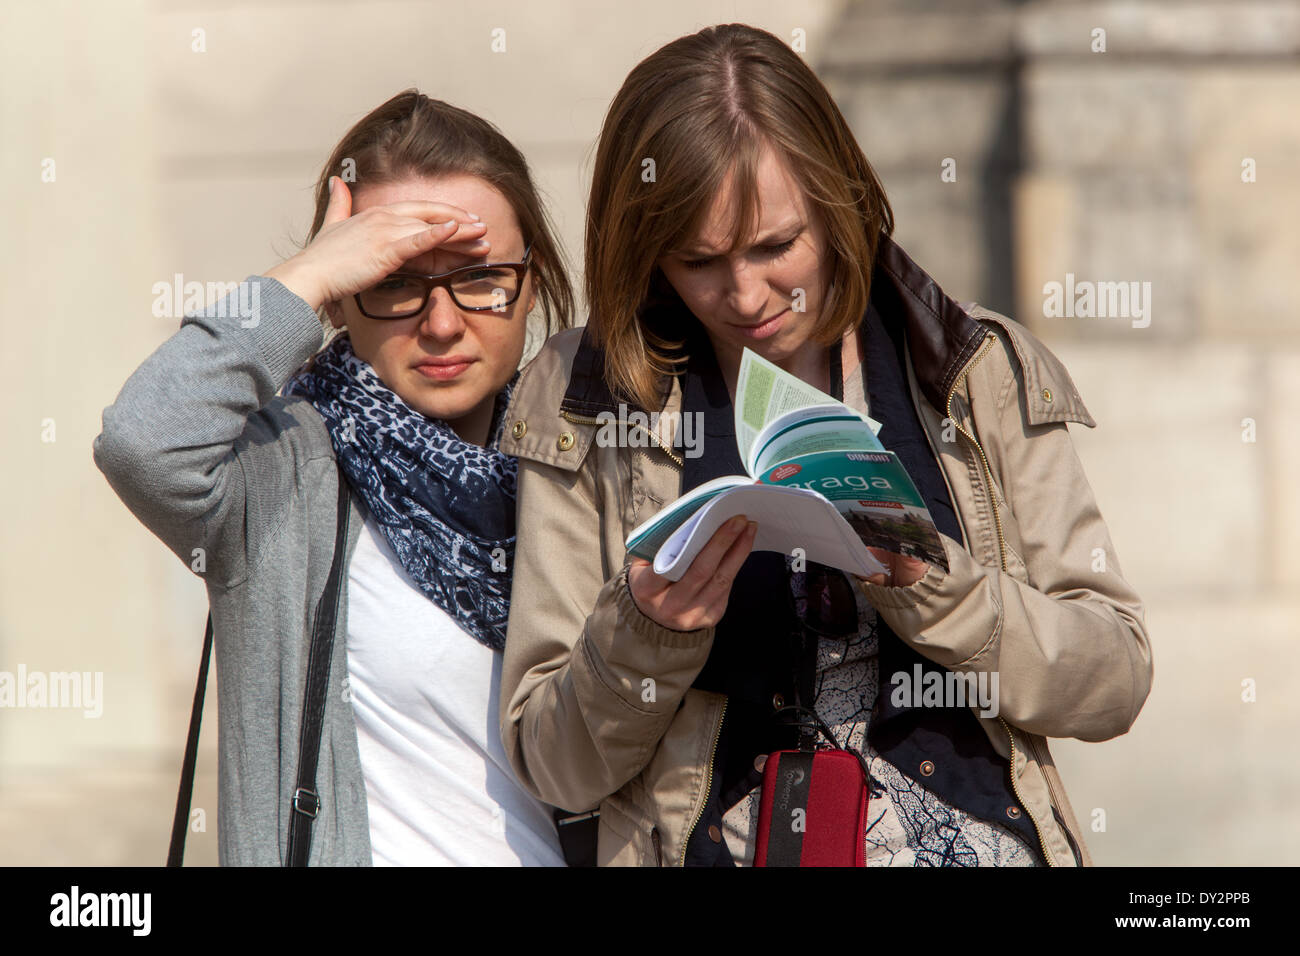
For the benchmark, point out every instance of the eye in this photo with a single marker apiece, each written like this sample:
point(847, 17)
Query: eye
point(696, 263)
point(775, 252)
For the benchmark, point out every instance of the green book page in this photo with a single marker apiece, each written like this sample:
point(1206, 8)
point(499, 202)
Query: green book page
point(764, 392)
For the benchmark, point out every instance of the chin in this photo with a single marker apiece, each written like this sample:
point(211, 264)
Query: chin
point(447, 411)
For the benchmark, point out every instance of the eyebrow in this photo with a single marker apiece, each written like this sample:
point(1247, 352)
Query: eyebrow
point(697, 250)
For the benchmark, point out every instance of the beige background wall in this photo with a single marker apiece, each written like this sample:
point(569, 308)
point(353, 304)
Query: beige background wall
point(1122, 165)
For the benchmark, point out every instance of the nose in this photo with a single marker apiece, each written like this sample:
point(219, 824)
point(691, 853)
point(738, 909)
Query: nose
point(747, 290)
point(442, 319)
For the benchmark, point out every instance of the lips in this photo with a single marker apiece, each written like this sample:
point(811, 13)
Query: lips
point(445, 367)
point(445, 360)
point(765, 328)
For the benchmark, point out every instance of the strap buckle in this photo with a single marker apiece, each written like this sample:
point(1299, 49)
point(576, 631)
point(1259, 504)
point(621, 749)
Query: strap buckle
point(311, 797)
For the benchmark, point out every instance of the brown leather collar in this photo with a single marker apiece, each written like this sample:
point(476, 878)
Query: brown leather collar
point(941, 337)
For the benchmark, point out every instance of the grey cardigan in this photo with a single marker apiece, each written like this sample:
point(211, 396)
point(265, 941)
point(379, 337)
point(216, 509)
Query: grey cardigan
point(207, 456)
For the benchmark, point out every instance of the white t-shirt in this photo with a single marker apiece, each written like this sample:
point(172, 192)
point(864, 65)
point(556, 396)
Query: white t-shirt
point(439, 789)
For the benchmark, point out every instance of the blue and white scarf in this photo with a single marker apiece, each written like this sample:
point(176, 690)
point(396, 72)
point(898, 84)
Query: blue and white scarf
point(446, 506)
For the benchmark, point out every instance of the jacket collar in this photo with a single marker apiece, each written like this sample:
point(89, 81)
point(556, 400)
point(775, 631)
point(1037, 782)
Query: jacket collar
point(941, 337)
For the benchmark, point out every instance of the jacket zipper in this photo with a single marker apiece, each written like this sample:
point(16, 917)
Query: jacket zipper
point(1002, 556)
point(708, 784)
point(587, 420)
point(1016, 787)
point(993, 500)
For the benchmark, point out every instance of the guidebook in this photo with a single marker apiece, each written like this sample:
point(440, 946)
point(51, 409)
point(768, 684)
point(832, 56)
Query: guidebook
point(819, 484)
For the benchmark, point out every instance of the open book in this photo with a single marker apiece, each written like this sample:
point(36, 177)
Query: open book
point(819, 484)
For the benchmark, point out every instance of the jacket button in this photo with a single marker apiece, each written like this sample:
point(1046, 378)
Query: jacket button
point(927, 768)
point(714, 833)
point(778, 701)
point(1013, 813)
point(1047, 394)
point(565, 441)
point(760, 762)
point(520, 429)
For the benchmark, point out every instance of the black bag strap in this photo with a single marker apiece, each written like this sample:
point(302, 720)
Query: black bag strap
point(305, 803)
point(184, 796)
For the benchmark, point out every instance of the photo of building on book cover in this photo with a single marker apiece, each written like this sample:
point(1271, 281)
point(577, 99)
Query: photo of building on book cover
point(872, 492)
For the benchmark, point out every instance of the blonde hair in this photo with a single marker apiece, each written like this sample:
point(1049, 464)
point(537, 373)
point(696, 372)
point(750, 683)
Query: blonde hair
point(701, 107)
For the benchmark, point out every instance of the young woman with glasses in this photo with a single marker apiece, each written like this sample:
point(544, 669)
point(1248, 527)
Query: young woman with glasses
point(230, 443)
point(731, 208)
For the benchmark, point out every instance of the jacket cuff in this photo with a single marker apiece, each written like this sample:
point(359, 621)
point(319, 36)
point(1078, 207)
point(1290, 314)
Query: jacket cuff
point(648, 628)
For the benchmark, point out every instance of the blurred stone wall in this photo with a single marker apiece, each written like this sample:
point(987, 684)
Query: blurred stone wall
point(1155, 143)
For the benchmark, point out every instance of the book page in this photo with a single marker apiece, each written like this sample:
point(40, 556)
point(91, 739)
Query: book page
point(788, 519)
point(764, 391)
point(810, 429)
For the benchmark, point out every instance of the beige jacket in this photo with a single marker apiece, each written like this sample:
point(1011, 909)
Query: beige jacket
point(1034, 590)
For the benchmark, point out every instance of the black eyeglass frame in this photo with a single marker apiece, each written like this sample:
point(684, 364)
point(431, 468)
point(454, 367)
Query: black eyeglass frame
point(445, 279)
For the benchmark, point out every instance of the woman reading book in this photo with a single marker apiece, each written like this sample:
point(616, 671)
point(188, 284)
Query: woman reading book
point(731, 208)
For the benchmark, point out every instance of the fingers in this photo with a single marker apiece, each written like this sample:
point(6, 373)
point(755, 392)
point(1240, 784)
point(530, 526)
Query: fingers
point(714, 569)
point(340, 204)
point(730, 564)
point(429, 211)
point(467, 238)
point(456, 236)
point(645, 585)
point(699, 599)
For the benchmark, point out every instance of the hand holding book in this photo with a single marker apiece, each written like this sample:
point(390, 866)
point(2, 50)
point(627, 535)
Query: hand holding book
point(699, 598)
point(820, 486)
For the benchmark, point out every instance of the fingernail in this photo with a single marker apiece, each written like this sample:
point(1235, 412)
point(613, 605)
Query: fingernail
point(753, 526)
point(474, 216)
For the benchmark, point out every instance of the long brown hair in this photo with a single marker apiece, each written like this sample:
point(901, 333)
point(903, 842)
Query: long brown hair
point(694, 110)
point(415, 137)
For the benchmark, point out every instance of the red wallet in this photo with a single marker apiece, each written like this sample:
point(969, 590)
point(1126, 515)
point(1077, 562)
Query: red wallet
point(812, 810)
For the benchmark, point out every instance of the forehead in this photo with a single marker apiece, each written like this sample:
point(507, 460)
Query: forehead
point(779, 198)
point(471, 194)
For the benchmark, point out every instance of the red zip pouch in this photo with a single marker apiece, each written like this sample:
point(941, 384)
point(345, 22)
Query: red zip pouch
point(812, 810)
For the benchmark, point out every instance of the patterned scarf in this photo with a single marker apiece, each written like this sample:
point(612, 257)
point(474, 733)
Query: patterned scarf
point(447, 507)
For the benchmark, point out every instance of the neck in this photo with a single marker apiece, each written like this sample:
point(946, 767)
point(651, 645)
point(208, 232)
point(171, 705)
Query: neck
point(473, 426)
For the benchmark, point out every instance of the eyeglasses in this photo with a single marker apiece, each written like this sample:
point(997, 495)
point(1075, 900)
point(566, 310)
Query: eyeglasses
point(487, 287)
